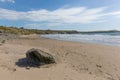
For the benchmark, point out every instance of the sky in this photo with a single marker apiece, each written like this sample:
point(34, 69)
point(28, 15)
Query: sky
point(81, 15)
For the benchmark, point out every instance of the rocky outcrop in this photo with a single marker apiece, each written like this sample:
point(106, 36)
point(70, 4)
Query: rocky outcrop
point(39, 57)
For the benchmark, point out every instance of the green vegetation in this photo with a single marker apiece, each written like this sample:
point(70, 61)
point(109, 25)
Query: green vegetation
point(23, 31)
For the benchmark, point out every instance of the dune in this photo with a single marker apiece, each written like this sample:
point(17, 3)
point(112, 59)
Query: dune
point(74, 61)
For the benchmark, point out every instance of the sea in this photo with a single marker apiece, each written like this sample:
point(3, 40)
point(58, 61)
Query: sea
point(104, 38)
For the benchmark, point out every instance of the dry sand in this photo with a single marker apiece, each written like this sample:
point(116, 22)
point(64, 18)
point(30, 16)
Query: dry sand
point(75, 61)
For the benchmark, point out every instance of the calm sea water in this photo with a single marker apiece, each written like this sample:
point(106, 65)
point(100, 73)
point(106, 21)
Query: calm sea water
point(111, 38)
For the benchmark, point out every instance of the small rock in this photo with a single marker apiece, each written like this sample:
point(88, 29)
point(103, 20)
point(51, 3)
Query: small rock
point(14, 70)
point(6, 52)
point(90, 72)
point(3, 41)
point(99, 66)
point(27, 68)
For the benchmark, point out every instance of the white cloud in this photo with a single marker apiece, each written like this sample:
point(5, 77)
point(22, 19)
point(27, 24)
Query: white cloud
point(116, 14)
point(48, 24)
point(11, 1)
point(61, 15)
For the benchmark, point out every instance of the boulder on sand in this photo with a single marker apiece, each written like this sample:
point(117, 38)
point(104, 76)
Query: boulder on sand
point(39, 57)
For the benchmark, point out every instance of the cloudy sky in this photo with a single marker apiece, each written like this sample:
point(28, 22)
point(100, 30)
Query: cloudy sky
point(82, 15)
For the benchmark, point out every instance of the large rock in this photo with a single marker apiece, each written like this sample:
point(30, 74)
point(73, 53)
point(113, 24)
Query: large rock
point(38, 57)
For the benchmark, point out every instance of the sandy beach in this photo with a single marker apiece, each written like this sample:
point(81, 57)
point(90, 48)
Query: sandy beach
point(75, 61)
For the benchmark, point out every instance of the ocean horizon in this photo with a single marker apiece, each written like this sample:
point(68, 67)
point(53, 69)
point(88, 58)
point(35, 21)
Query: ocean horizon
point(105, 38)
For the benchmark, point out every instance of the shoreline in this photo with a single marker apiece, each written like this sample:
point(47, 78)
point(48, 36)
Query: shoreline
point(99, 44)
point(75, 60)
point(94, 39)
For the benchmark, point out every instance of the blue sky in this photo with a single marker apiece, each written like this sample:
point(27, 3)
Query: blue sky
point(82, 15)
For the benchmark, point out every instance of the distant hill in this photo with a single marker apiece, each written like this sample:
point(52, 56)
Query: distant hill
point(107, 31)
point(23, 31)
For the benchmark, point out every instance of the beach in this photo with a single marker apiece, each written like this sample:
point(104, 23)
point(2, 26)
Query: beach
point(74, 60)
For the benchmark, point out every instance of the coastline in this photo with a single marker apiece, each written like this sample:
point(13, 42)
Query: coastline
point(106, 39)
point(75, 60)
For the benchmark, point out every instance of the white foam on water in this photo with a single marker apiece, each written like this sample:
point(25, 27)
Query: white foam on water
point(93, 38)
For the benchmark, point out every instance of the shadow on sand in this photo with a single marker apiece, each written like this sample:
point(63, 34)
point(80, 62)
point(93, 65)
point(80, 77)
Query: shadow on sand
point(25, 62)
